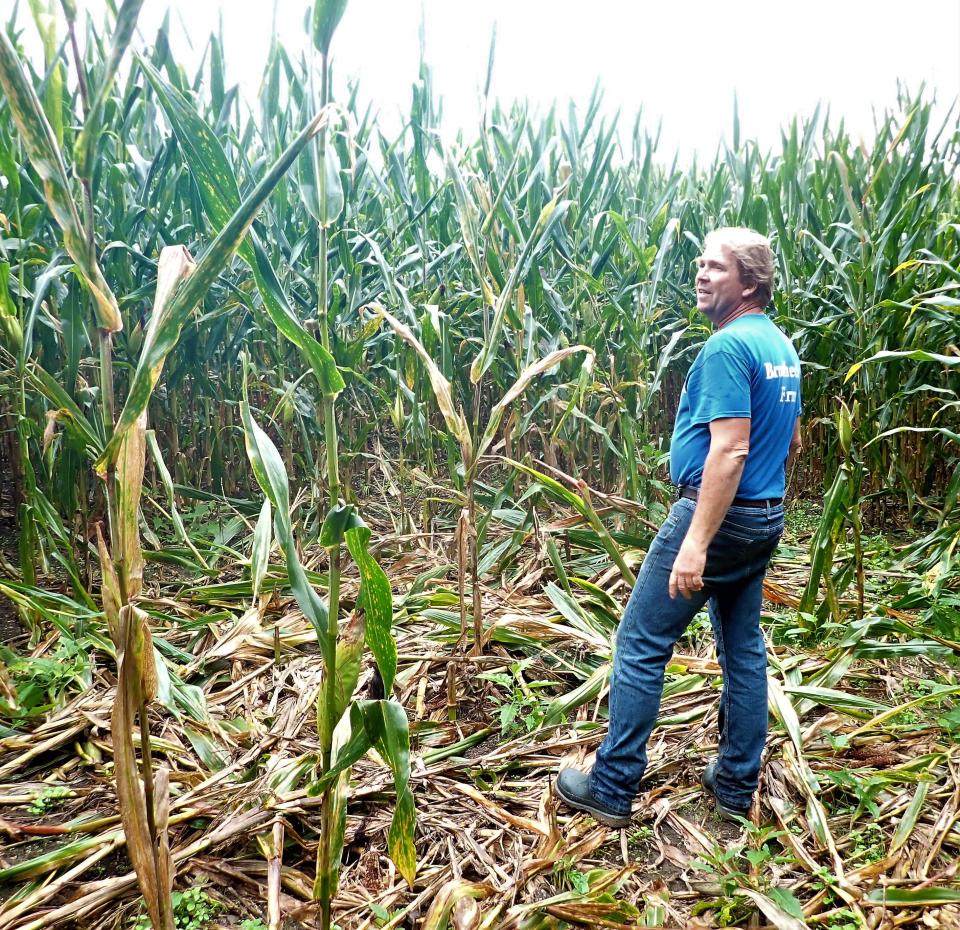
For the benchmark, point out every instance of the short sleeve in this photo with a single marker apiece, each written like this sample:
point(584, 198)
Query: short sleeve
point(724, 388)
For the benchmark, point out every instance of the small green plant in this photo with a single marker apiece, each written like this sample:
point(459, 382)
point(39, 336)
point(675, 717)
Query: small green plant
point(521, 710)
point(42, 683)
point(869, 843)
point(193, 909)
point(862, 790)
point(731, 866)
point(838, 741)
point(50, 798)
point(252, 923)
point(951, 722)
point(566, 875)
point(381, 915)
point(728, 911)
point(843, 919)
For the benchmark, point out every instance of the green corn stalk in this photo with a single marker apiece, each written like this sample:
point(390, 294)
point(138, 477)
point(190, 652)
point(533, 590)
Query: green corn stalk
point(841, 508)
point(371, 723)
point(329, 204)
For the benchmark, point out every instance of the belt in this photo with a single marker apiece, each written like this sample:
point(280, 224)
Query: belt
point(693, 493)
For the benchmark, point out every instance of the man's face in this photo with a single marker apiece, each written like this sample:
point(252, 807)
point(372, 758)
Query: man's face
point(720, 289)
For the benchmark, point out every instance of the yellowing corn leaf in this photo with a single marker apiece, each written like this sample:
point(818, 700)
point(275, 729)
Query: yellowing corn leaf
point(130, 464)
point(41, 146)
point(109, 588)
point(521, 384)
point(376, 599)
point(328, 873)
point(349, 659)
point(454, 419)
point(175, 265)
point(132, 656)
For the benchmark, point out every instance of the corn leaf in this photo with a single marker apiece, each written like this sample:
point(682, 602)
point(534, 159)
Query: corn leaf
point(841, 701)
point(354, 749)
point(386, 722)
point(326, 18)
point(326, 881)
point(520, 385)
point(57, 858)
point(41, 146)
point(122, 34)
point(454, 419)
point(909, 819)
point(260, 551)
point(774, 912)
point(913, 897)
point(269, 472)
point(376, 599)
point(551, 214)
point(220, 194)
point(349, 661)
point(67, 407)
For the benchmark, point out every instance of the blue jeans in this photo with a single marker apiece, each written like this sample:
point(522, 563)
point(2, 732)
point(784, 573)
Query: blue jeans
point(652, 623)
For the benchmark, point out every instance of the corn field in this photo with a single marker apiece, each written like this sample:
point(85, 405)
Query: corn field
point(327, 461)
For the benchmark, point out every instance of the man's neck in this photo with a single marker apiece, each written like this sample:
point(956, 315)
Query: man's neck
point(738, 312)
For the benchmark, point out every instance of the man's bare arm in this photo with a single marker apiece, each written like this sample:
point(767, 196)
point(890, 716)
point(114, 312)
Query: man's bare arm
point(729, 445)
point(796, 444)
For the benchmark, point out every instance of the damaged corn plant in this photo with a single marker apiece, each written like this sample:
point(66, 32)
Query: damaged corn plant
point(327, 461)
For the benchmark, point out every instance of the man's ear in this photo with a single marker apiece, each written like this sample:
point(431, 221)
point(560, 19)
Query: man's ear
point(750, 291)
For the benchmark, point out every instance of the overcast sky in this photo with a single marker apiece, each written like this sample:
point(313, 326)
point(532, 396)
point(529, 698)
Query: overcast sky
point(680, 61)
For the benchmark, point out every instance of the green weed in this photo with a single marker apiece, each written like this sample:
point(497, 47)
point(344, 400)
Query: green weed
point(521, 709)
point(50, 798)
point(193, 909)
point(731, 867)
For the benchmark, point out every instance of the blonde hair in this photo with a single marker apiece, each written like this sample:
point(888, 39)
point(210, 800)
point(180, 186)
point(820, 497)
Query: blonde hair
point(754, 257)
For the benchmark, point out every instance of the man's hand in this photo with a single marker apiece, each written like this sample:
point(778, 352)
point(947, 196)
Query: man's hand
point(729, 445)
point(687, 574)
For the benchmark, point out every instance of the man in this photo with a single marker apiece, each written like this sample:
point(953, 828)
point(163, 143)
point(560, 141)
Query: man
point(737, 429)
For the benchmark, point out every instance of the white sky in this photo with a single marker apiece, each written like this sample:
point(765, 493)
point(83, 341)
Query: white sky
point(680, 61)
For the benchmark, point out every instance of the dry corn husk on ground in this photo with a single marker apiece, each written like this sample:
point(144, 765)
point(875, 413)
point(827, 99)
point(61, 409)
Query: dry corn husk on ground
point(857, 821)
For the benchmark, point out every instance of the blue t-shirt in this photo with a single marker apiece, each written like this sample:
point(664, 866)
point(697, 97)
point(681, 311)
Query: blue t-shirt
point(747, 369)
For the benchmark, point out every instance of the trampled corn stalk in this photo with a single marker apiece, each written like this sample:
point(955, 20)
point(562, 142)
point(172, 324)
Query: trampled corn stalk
point(472, 450)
